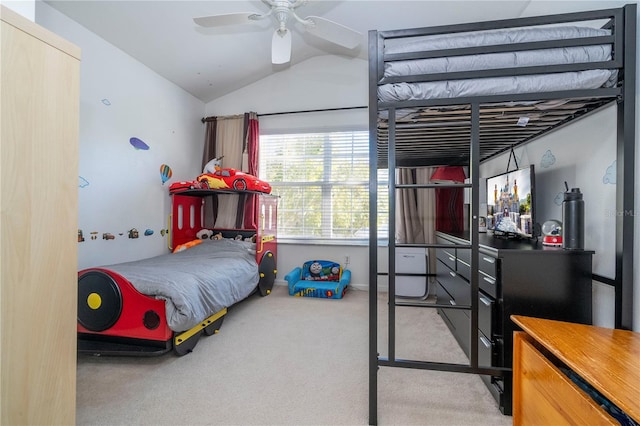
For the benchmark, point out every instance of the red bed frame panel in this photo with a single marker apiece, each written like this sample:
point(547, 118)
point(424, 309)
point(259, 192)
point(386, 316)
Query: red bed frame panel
point(116, 319)
point(187, 218)
point(140, 309)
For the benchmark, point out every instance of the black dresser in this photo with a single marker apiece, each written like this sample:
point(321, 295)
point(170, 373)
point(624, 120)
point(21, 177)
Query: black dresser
point(515, 276)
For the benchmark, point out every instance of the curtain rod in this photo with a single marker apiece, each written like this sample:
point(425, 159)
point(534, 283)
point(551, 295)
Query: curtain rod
point(311, 110)
point(301, 112)
point(222, 117)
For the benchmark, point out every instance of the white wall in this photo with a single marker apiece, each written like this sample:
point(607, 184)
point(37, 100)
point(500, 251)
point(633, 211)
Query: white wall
point(120, 187)
point(320, 82)
point(26, 8)
point(583, 155)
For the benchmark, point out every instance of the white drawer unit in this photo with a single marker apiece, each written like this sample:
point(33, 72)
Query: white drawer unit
point(412, 260)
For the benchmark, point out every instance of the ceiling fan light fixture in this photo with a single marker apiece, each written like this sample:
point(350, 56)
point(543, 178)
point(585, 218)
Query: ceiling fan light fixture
point(281, 41)
point(281, 47)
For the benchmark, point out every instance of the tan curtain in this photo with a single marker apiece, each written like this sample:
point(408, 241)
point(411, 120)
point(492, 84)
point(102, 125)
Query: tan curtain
point(408, 221)
point(416, 210)
point(426, 201)
point(229, 145)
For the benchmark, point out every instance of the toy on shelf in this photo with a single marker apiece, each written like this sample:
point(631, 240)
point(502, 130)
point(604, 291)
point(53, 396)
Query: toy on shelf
point(319, 278)
point(233, 179)
point(214, 176)
point(185, 185)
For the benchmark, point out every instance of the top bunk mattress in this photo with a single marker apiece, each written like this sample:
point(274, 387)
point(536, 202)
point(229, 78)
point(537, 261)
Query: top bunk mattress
point(584, 79)
point(197, 282)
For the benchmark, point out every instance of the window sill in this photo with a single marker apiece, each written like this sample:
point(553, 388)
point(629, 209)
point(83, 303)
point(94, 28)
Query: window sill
point(323, 242)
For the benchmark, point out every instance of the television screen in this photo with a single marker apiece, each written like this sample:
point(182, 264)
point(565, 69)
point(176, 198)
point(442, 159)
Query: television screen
point(510, 203)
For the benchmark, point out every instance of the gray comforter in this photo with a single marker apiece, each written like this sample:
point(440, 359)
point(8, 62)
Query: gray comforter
point(588, 79)
point(197, 282)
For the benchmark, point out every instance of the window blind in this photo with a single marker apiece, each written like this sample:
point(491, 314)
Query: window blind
point(322, 179)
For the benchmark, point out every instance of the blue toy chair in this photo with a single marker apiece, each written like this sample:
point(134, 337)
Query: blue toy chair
point(319, 278)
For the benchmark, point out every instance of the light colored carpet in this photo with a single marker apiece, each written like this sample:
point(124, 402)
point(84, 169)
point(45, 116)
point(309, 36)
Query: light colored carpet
point(283, 360)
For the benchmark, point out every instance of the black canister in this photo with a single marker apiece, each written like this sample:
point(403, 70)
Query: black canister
point(573, 220)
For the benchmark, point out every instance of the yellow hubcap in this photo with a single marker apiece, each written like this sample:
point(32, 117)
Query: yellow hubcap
point(94, 300)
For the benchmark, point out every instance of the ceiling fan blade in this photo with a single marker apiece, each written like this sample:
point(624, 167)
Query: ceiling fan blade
point(281, 47)
point(333, 32)
point(225, 19)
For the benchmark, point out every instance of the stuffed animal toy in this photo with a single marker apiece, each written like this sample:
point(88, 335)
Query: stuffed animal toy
point(217, 236)
point(185, 246)
point(321, 270)
point(213, 165)
point(204, 234)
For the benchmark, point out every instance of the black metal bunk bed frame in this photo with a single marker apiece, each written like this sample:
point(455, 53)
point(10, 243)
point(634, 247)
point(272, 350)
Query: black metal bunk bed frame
point(405, 144)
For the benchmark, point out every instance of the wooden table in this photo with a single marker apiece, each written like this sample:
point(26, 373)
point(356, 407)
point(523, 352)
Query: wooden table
point(607, 359)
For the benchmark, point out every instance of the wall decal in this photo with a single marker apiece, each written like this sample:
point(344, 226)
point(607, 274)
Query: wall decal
point(94, 235)
point(164, 232)
point(138, 144)
point(165, 173)
point(133, 233)
point(106, 102)
point(80, 236)
point(559, 199)
point(610, 175)
point(82, 182)
point(148, 232)
point(108, 236)
point(548, 159)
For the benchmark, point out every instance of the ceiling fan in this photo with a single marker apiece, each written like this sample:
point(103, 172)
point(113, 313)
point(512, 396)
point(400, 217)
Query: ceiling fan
point(281, 10)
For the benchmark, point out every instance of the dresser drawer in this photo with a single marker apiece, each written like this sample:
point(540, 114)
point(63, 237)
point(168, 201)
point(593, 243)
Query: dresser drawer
point(496, 389)
point(464, 269)
point(463, 264)
point(485, 350)
point(456, 286)
point(464, 254)
point(457, 320)
point(488, 284)
point(442, 296)
point(486, 314)
point(534, 375)
point(447, 256)
point(488, 265)
point(461, 323)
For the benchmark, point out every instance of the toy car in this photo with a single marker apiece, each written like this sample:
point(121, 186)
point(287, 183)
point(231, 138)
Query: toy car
point(182, 185)
point(233, 179)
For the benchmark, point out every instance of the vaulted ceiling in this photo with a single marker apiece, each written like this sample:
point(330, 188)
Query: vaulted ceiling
point(211, 62)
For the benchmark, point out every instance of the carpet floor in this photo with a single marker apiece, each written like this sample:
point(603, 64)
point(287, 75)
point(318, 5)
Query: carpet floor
point(282, 360)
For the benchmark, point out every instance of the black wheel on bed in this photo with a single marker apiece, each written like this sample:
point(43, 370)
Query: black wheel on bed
point(187, 346)
point(267, 270)
point(213, 327)
point(99, 301)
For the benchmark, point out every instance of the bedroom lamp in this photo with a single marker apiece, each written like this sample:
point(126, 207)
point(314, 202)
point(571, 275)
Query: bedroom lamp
point(449, 201)
point(448, 174)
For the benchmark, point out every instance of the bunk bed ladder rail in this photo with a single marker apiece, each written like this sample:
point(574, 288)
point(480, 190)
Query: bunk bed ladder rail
point(391, 359)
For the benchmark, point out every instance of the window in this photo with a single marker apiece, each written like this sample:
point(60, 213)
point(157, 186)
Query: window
point(323, 183)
